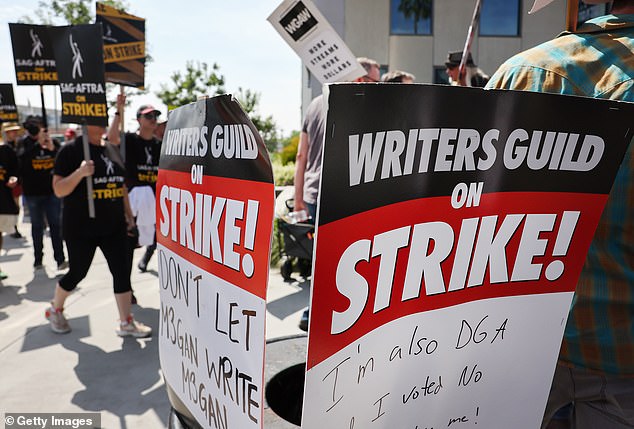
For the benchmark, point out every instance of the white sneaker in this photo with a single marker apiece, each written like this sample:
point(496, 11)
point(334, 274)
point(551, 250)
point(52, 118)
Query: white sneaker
point(59, 324)
point(133, 328)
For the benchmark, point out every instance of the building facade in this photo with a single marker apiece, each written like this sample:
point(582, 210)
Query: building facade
point(399, 38)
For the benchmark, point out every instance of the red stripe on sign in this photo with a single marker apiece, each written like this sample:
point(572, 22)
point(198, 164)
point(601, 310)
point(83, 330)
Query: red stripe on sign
point(423, 254)
point(221, 225)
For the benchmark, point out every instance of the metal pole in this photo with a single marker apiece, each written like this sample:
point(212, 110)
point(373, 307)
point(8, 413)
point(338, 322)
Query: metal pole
point(44, 121)
point(572, 15)
point(89, 191)
point(467, 44)
point(122, 127)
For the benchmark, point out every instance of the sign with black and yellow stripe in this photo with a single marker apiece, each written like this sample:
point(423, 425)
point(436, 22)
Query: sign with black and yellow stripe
point(8, 109)
point(123, 46)
point(33, 54)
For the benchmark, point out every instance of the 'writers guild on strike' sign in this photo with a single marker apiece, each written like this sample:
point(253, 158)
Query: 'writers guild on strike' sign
point(449, 245)
point(215, 198)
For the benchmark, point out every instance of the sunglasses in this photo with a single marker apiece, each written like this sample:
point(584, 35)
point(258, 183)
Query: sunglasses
point(151, 115)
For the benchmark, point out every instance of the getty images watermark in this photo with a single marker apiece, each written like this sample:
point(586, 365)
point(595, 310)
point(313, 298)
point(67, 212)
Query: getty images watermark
point(52, 420)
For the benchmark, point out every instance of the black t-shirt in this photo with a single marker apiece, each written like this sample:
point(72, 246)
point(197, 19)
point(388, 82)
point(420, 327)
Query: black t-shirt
point(141, 160)
point(8, 168)
point(108, 183)
point(36, 169)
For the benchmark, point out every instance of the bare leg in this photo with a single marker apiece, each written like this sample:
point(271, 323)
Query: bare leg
point(60, 297)
point(123, 304)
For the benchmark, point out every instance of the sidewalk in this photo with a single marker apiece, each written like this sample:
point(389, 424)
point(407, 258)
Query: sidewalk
point(91, 369)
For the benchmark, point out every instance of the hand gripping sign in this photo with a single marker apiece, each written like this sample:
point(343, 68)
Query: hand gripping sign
point(453, 224)
point(215, 200)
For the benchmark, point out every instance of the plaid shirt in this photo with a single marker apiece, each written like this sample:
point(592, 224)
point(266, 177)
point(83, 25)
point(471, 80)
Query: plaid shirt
point(596, 61)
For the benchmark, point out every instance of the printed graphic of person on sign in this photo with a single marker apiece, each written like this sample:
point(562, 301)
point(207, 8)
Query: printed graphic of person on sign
point(37, 44)
point(77, 59)
point(594, 378)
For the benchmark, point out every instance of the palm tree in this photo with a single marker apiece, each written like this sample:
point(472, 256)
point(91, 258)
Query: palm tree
point(417, 9)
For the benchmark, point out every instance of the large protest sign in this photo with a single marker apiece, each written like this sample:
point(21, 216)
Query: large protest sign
point(215, 199)
point(8, 109)
point(123, 45)
point(79, 56)
point(453, 224)
point(305, 29)
point(33, 54)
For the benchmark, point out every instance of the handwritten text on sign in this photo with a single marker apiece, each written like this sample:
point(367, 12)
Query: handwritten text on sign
point(212, 332)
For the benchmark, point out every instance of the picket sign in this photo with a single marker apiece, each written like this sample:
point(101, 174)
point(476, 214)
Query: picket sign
point(452, 226)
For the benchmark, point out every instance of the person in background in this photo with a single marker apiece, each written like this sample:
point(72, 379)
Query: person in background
point(36, 160)
point(150, 249)
point(8, 181)
point(308, 160)
point(69, 136)
point(142, 152)
point(398, 76)
point(11, 136)
point(474, 75)
point(594, 377)
point(160, 129)
point(107, 230)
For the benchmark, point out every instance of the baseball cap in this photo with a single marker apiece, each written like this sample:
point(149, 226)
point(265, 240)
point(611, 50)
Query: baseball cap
point(11, 126)
point(145, 109)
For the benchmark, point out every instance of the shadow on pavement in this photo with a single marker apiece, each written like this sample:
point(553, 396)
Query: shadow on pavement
point(8, 296)
point(291, 303)
point(41, 287)
point(124, 382)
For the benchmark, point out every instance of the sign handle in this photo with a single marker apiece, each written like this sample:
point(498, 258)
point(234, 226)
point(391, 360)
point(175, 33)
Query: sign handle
point(89, 191)
point(122, 127)
point(467, 44)
point(44, 120)
point(572, 15)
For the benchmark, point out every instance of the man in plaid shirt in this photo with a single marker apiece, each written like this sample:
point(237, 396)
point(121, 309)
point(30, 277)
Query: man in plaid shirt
point(595, 373)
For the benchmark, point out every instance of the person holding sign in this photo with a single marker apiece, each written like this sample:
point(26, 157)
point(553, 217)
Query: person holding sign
point(309, 153)
point(107, 230)
point(142, 152)
point(308, 161)
point(474, 75)
point(596, 362)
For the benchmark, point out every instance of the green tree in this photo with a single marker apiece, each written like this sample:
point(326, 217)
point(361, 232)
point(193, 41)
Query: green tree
point(288, 154)
point(417, 9)
point(75, 12)
point(198, 80)
point(250, 101)
point(71, 12)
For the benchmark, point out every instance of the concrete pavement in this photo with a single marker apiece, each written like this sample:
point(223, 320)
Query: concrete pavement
point(91, 369)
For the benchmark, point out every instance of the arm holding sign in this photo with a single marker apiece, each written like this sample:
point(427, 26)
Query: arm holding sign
point(64, 186)
point(300, 169)
point(113, 132)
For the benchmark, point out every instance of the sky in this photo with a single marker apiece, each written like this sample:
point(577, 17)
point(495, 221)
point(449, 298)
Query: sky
point(233, 34)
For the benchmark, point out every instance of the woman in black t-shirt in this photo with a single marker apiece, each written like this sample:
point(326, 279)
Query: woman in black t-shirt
point(107, 230)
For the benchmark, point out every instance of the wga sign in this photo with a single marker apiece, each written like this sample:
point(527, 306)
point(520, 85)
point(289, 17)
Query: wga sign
point(298, 21)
